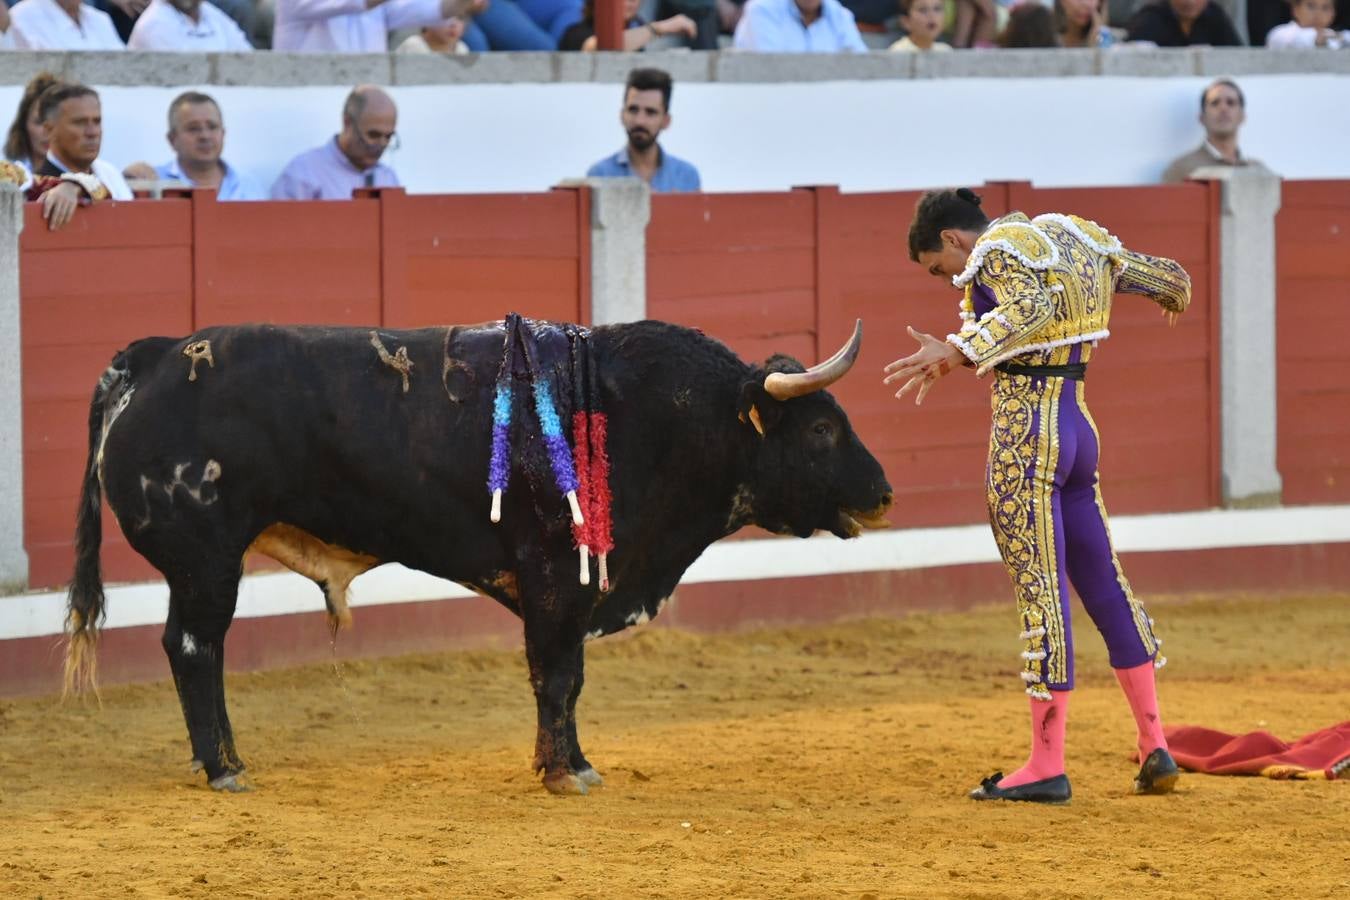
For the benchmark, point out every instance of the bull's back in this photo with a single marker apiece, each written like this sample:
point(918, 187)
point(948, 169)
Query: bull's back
point(314, 426)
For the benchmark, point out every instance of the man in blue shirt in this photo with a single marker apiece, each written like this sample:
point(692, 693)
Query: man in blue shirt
point(197, 135)
point(645, 114)
point(798, 26)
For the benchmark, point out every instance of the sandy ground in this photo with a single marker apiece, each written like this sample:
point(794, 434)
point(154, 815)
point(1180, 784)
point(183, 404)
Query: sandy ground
point(822, 762)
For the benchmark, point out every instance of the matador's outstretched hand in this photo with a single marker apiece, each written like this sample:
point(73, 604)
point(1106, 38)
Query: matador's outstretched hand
point(933, 360)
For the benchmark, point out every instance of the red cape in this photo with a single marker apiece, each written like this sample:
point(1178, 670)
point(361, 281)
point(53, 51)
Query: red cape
point(1322, 754)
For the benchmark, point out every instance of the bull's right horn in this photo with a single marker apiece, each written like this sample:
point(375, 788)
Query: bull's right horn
point(785, 386)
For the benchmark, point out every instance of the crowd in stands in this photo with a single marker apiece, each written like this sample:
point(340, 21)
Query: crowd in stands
point(54, 142)
point(777, 26)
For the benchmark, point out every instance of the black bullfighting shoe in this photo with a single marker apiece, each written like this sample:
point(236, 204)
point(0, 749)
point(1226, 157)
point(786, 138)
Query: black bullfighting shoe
point(1158, 774)
point(1048, 790)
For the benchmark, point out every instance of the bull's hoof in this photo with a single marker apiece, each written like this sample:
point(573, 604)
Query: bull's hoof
point(196, 766)
point(232, 783)
point(590, 777)
point(564, 783)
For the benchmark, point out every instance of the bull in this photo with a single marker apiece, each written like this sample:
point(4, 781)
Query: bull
point(334, 450)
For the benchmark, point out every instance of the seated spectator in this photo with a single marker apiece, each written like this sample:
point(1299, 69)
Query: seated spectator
point(60, 195)
point(637, 34)
point(446, 38)
point(644, 115)
point(922, 20)
point(798, 26)
point(871, 16)
point(505, 25)
point(1183, 23)
point(26, 143)
point(356, 26)
point(1082, 23)
point(1030, 25)
point(197, 136)
point(188, 26)
point(1222, 112)
point(6, 39)
point(351, 159)
point(61, 25)
point(1311, 27)
point(976, 23)
point(73, 117)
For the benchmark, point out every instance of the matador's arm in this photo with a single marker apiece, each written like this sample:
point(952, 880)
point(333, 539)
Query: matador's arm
point(1162, 280)
point(1022, 306)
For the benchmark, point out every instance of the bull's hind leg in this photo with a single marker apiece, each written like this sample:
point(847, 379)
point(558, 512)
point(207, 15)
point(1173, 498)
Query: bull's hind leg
point(200, 610)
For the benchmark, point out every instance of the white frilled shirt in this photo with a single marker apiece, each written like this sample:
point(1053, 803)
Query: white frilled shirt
point(346, 26)
point(162, 27)
point(43, 25)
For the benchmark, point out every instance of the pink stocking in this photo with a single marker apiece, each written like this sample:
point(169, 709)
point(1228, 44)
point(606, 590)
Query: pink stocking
point(1140, 689)
point(1048, 719)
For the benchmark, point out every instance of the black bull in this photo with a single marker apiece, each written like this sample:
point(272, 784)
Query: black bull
point(303, 443)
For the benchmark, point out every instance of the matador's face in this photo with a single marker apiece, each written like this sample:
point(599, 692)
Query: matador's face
point(950, 260)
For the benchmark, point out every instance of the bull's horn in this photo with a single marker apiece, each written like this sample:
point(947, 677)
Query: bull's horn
point(785, 386)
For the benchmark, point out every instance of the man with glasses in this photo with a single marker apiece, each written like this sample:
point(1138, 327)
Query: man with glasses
point(197, 136)
point(351, 159)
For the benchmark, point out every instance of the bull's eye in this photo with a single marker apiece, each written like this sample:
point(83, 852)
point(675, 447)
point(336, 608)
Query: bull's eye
point(823, 428)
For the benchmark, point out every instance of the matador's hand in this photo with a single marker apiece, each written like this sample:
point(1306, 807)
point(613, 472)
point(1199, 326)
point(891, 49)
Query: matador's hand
point(933, 360)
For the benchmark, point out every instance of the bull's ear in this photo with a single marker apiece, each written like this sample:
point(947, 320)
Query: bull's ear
point(759, 409)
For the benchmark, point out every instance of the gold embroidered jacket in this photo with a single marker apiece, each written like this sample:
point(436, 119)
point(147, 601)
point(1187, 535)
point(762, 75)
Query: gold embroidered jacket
point(1052, 279)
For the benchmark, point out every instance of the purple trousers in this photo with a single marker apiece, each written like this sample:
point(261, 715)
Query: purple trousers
point(1045, 506)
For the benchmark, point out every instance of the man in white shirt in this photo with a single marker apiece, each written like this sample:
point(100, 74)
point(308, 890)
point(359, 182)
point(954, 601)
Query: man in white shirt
point(357, 26)
point(74, 119)
point(61, 25)
point(798, 26)
point(189, 26)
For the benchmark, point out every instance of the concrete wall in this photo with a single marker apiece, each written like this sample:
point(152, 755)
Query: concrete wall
point(523, 122)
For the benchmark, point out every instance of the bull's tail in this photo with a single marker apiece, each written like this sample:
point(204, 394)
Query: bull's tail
point(84, 604)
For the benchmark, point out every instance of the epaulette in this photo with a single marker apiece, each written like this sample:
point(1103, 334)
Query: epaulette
point(1017, 236)
point(1086, 230)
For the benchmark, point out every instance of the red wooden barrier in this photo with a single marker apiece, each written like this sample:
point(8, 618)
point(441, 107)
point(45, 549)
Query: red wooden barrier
point(1312, 316)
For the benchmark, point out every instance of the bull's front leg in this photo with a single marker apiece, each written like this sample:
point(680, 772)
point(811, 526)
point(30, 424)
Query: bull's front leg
point(554, 656)
point(584, 770)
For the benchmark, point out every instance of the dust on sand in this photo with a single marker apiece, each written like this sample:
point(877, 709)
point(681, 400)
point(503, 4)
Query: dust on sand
point(821, 762)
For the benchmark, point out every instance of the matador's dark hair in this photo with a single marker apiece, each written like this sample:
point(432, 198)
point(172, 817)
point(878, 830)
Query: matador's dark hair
point(937, 211)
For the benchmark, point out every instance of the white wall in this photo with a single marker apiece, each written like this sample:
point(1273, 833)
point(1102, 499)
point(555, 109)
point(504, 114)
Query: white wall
point(861, 135)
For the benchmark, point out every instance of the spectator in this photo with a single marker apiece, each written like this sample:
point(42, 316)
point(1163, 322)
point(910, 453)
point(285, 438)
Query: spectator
point(197, 136)
point(59, 195)
point(729, 14)
point(352, 158)
point(637, 33)
point(1030, 25)
point(798, 26)
point(61, 25)
point(975, 24)
point(73, 117)
point(1082, 23)
point(1311, 27)
point(1222, 112)
point(922, 20)
point(645, 114)
point(505, 25)
point(192, 26)
point(26, 143)
point(446, 37)
point(356, 26)
point(6, 38)
point(1183, 23)
point(123, 13)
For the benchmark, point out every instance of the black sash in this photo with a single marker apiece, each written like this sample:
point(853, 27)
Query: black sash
point(1073, 372)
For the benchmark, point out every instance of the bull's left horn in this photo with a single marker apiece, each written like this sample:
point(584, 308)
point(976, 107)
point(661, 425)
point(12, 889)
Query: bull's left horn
point(785, 386)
